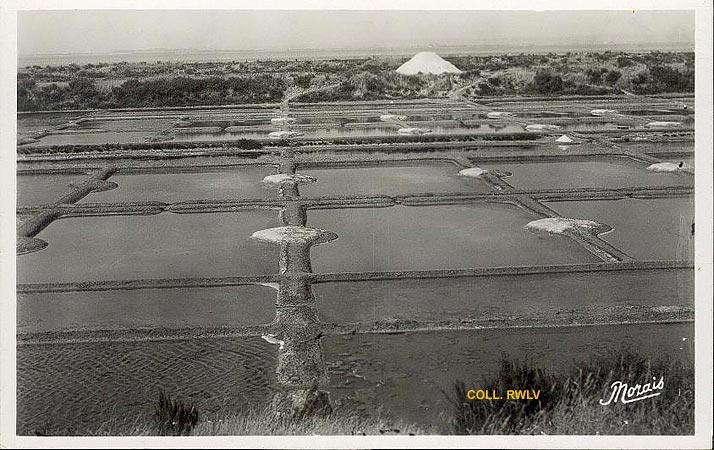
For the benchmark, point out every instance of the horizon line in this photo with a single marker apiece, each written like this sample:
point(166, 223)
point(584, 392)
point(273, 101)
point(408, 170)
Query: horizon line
point(405, 47)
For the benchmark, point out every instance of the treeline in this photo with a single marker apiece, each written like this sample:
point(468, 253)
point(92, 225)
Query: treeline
point(82, 92)
point(140, 70)
point(385, 85)
point(125, 85)
point(602, 81)
point(654, 80)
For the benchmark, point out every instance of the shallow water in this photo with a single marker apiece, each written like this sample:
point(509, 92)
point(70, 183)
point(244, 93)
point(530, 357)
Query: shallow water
point(585, 126)
point(405, 373)
point(337, 132)
point(436, 237)
point(222, 136)
point(652, 229)
point(667, 147)
point(411, 117)
point(45, 189)
point(160, 308)
point(240, 182)
point(538, 114)
point(27, 123)
point(510, 295)
point(129, 125)
point(222, 121)
point(165, 245)
point(349, 132)
point(481, 128)
point(80, 386)
point(655, 112)
point(603, 172)
point(109, 137)
point(391, 179)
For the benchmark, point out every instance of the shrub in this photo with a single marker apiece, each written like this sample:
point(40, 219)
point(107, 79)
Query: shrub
point(672, 80)
point(546, 82)
point(595, 75)
point(624, 61)
point(612, 77)
point(173, 417)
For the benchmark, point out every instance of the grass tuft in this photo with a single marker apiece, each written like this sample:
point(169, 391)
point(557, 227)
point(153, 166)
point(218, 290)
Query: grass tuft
point(174, 417)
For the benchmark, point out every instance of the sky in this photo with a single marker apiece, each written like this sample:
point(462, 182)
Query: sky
point(107, 31)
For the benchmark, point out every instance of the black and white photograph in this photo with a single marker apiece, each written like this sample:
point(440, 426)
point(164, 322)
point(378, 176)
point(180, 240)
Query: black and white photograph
point(347, 227)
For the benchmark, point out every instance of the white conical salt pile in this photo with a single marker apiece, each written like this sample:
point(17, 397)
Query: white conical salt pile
point(564, 139)
point(427, 62)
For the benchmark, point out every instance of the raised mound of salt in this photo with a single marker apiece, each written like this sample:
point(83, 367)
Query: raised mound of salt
point(663, 124)
point(541, 127)
point(559, 225)
point(271, 339)
point(280, 178)
point(282, 120)
point(414, 131)
point(392, 118)
point(427, 62)
point(291, 234)
point(499, 114)
point(473, 172)
point(668, 167)
point(283, 134)
point(603, 112)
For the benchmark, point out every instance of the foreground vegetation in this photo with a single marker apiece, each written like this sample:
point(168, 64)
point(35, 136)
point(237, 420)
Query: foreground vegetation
point(174, 418)
point(165, 84)
point(570, 403)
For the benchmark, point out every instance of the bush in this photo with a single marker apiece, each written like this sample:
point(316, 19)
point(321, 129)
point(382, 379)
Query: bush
point(672, 80)
point(660, 78)
point(613, 76)
point(624, 61)
point(546, 82)
point(595, 75)
point(173, 417)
